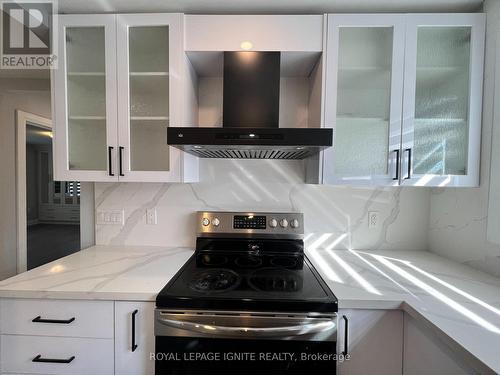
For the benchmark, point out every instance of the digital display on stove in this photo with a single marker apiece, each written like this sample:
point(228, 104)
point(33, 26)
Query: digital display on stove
point(249, 222)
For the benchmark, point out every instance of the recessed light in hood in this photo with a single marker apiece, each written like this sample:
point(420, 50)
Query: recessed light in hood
point(246, 45)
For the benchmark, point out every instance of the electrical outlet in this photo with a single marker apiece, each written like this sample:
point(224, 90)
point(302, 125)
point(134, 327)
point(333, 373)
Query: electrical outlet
point(110, 217)
point(372, 219)
point(151, 217)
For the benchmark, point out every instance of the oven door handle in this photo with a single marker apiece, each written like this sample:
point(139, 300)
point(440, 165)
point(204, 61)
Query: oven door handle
point(216, 330)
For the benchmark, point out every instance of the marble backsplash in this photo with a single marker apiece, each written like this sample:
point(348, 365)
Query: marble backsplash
point(459, 218)
point(335, 217)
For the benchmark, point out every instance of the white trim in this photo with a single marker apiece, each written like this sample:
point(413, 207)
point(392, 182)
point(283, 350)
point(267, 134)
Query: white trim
point(22, 119)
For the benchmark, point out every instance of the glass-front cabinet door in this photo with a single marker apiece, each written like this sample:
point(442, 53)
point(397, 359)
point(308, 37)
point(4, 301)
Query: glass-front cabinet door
point(442, 100)
point(364, 88)
point(85, 99)
point(148, 51)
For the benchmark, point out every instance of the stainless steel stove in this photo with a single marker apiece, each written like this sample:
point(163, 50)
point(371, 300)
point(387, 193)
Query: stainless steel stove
point(249, 288)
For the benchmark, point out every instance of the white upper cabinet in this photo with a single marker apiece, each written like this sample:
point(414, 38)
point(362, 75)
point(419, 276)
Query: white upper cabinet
point(264, 32)
point(84, 99)
point(365, 55)
point(404, 97)
point(149, 49)
point(117, 89)
point(442, 103)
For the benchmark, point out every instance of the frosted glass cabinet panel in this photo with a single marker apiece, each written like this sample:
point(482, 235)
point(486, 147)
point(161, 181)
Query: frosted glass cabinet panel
point(146, 44)
point(364, 83)
point(148, 80)
point(86, 85)
point(85, 94)
point(116, 90)
point(442, 100)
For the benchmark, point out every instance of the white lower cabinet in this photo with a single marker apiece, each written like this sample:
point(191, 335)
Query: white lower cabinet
point(134, 338)
point(68, 318)
point(374, 342)
point(424, 353)
point(56, 355)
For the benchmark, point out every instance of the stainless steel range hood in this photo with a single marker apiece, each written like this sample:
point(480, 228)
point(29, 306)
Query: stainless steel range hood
point(250, 130)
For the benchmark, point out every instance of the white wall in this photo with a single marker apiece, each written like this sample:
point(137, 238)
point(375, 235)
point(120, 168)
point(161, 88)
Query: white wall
point(458, 217)
point(336, 217)
point(36, 100)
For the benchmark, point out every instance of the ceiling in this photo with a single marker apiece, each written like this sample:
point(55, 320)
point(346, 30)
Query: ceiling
point(266, 6)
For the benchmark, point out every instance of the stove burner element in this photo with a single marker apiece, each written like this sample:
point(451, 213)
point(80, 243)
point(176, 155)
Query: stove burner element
point(275, 280)
point(282, 261)
point(215, 281)
point(213, 260)
point(248, 262)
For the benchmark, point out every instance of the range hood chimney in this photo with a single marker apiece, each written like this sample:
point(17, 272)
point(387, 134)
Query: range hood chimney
point(250, 120)
point(251, 96)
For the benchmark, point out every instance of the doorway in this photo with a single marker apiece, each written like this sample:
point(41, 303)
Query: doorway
point(48, 210)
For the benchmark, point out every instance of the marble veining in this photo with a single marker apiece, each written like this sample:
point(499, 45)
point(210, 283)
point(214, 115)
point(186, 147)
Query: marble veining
point(461, 303)
point(265, 185)
point(113, 273)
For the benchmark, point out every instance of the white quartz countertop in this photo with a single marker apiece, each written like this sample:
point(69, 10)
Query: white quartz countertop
point(101, 272)
point(457, 302)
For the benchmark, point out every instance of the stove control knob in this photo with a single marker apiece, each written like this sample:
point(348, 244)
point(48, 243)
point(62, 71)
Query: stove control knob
point(283, 223)
point(273, 223)
point(294, 223)
point(215, 222)
point(205, 222)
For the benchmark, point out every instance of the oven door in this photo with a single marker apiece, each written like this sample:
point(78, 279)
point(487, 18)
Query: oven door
point(244, 343)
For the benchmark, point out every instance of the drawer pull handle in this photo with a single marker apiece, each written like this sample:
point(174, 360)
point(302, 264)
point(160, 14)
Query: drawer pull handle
point(39, 319)
point(397, 164)
point(121, 159)
point(39, 358)
point(134, 345)
point(346, 333)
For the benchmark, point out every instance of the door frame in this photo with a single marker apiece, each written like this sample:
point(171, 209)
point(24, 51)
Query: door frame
point(22, 120)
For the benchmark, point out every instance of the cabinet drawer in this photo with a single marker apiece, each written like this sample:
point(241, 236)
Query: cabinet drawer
point(91, 318)
point(91, 356)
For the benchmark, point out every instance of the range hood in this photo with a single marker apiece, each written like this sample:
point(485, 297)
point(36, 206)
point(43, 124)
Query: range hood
point(250, 123)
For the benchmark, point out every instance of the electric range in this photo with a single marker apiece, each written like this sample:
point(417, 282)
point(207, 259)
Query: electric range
point(248, 288)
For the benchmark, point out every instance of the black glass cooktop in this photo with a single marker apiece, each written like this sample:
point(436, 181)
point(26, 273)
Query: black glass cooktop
point(248, 280)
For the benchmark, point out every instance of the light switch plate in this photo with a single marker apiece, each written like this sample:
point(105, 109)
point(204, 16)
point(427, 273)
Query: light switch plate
point(373, 219)
point(151, 217)
point(110, 217)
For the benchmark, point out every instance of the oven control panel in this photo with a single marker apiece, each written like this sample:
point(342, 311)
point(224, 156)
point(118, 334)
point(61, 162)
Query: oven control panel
point(249, 222)
point(265, 223)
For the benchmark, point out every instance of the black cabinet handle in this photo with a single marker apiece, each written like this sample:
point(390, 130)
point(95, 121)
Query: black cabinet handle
point(121, 159)
point(110, 161)
point(39, 319)
point(409, 163)
point(39, 358)
point(346, 333)
point(397, 164)
point(134, 345)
